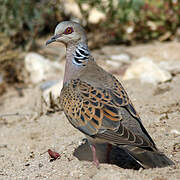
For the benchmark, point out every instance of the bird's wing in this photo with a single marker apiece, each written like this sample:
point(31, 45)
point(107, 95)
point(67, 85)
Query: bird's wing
point(95, 112)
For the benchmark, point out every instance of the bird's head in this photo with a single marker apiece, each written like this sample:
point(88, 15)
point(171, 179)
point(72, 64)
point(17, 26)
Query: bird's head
point(68, 32)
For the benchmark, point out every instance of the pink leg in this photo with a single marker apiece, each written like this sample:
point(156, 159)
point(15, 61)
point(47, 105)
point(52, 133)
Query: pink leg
point(109, 148)
point(95, 159)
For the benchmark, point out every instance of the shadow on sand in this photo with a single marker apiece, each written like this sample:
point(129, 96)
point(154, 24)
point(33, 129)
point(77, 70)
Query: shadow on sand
point(117, 156)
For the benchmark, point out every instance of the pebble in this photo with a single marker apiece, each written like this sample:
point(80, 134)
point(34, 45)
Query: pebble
point(174, 131)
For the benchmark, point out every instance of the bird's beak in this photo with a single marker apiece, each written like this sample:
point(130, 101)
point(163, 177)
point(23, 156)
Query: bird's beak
point(53, 39)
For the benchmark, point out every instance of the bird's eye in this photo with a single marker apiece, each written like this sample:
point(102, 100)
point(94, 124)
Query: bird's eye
point(68, 30)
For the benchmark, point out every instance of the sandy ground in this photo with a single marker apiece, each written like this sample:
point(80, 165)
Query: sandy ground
point(25, 137)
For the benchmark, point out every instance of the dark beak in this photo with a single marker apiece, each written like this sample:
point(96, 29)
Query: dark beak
point(53, 39)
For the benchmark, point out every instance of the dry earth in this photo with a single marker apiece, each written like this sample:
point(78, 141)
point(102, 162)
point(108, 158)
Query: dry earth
point(26, 133)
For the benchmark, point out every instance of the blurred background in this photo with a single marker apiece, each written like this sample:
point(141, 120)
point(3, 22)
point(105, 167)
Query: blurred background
point(108, 22)
point(138, 41)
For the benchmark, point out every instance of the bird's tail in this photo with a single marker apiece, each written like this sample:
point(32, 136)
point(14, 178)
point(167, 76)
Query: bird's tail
point(148, 159)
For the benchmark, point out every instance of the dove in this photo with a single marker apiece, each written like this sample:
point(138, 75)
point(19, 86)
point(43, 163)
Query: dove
point(96, 103)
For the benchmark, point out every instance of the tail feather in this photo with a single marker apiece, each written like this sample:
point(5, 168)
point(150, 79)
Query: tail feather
point(148, 159)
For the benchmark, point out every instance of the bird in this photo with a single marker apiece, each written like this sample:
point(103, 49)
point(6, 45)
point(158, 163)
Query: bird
point(96, 103)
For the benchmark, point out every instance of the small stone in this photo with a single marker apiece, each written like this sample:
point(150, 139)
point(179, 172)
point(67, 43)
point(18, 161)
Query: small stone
point(40, 165)
point(176, 147)
point(27, 164)
point(147, 71)
point(174, 131)
point(161, 89)
point(32, 155)
point(3, 146)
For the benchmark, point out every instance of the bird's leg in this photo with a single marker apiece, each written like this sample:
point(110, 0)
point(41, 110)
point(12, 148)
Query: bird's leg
point(109, 148)
point(95, 159)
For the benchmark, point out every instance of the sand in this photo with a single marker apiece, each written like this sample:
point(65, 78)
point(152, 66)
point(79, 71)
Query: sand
point(26, 133)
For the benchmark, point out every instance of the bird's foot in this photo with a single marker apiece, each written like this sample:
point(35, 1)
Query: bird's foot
point(95, 159)
point(109, 148)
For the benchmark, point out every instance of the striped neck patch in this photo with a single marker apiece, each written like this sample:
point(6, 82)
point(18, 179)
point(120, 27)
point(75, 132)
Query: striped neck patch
point(81, 55)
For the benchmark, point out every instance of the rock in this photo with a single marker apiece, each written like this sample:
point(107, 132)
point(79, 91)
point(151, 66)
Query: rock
point(161, 89)
point(147, 71)
point(114, 64)
point(172, 66)
point(130, 29)
point(95, 16)
point(152, 25)
point(40, 68)
point(72, 8)
point(125, 58)
point(174, 131)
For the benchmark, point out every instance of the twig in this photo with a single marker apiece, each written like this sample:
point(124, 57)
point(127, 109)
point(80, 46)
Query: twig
point(14, 114)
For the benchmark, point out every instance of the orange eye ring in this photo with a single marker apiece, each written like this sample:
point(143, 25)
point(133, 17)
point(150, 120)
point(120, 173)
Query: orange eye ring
point(68, 30)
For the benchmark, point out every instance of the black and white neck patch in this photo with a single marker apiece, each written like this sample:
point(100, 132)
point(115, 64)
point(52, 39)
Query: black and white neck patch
point(81, 55)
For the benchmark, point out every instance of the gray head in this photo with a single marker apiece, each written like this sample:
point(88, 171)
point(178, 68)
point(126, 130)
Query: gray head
point(68, 32)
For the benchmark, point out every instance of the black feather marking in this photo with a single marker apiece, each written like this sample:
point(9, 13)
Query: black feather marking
point(95, 121)
point(93, 92)
point(117, 99)
point(87, 115)
point(120, 130)
point(113, 109)
point(77, 60)
point(78, 113)
point(93, 99)
point(132, 109)
point(78, 55)
point(99, 95)
point(94, 103)
point(86, 94)
point(83, 52)
point(86, 102)
point(82, 118)
point(97, 112)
